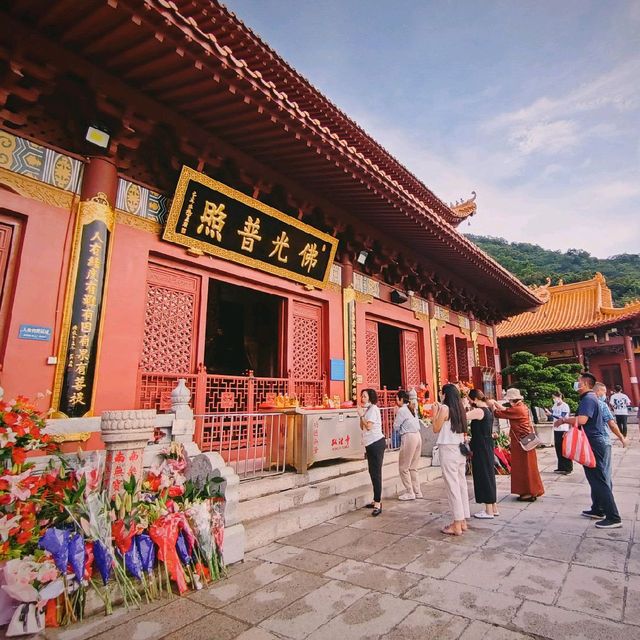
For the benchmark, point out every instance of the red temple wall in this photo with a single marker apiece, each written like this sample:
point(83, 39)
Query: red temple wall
point(126, 300)
point(40, 281)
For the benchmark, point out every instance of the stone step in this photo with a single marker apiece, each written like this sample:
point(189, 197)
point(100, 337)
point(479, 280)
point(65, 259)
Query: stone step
point(261, 531)
point(272, 495)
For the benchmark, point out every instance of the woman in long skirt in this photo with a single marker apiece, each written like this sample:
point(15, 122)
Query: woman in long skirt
point(482, 463)
point(525, 477)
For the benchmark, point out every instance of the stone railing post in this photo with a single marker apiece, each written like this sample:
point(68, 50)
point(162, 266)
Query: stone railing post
point(125, 435)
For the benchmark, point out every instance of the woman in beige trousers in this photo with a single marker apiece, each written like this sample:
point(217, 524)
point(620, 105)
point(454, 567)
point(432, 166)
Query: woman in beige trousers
point(406, 423)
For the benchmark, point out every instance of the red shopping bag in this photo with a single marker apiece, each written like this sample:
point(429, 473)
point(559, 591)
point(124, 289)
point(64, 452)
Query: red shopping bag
point(576, 447)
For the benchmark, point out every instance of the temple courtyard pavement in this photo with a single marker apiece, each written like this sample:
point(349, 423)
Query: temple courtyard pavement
point(540, 570)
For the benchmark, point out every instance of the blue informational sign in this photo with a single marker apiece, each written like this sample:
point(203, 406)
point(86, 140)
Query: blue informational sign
point(33, 332)
point(337, 369)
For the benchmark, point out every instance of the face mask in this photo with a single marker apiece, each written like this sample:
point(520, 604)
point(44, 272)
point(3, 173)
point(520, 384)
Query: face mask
point(576, 386)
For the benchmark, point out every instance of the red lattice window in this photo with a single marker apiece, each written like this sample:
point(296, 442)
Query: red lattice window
point(462, 358)
point(306, 339)
point(170, 321)
point(450, 350)
point(491, 358)
point(482, 356)
point(372, 355)
point(411, 359)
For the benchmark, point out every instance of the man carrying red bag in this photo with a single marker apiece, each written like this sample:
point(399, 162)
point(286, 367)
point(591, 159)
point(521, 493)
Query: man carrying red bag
point(588, 416)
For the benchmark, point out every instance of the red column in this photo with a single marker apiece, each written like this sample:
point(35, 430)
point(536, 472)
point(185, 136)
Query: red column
point(631, 364)
point(74, 389)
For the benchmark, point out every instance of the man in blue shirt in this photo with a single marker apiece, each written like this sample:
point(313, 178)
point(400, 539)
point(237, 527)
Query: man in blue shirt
point(607, 417)
point(589, 417)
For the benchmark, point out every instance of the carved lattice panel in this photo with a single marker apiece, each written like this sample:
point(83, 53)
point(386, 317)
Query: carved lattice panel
point(170, 321)
point(462, 357)
point(482, 356)
point(372, 352)
point(306, 356)
point(411, 359)
point(450, 349)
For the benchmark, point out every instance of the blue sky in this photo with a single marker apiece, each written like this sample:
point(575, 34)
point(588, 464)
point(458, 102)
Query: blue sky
point(535, 105)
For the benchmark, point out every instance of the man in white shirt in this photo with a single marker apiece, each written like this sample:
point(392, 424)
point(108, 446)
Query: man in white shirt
point(620, 404)
point(560, 409)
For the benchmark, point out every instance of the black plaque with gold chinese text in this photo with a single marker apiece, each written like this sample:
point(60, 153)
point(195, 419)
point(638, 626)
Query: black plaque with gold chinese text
point(209, 216)
point(77, 387)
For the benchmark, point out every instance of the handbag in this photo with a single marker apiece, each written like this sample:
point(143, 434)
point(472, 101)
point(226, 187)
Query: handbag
point(435, 456)
point(465, 449)
point(576, 447)
point(530, 441)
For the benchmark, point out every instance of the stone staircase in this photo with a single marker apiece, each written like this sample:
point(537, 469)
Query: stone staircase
point(277, 506)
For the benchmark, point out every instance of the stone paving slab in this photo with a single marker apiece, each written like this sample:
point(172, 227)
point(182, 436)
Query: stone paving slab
point(304, 616)
point(605, 554)
point(265, 602)
point(425, 623)
point(482, 631)
point(373, 577)
point(593, 591)
point(370, 617)
point(535, 579)
point(465, 600)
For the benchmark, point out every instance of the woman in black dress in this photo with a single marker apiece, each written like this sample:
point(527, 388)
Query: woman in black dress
point(482, 463)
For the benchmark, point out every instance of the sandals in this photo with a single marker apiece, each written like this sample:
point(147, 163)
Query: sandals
point(449, 531)
point(527, 499)
point(371, 505)
point(376, 511)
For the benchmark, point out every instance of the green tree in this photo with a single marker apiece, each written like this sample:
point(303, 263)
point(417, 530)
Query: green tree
point(533, 265)
point(538, 380)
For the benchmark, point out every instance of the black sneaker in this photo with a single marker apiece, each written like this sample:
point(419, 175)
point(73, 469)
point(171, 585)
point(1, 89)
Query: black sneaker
point(592, 514)
point(608, 524)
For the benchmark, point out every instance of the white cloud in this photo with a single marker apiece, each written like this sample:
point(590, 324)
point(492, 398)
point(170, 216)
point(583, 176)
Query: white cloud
point(556, 217)
point(550, 137)
point(561, 123)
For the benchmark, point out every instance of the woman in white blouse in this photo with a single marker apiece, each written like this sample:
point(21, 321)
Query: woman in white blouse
point(450, 423)
point(374, 444)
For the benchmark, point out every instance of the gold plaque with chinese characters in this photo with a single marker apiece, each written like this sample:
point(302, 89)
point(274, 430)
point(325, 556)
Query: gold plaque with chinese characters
point(208, 216)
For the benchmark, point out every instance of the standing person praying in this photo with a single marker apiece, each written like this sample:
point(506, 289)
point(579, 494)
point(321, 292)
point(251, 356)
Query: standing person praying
point(482, 464)
point(374, 444)
point(450, 423)
point(525, 477)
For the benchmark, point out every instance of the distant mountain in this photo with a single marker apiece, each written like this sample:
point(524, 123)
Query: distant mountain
point(533, 265)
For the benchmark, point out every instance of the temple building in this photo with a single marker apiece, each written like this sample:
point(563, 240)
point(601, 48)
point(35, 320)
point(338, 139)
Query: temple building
point(177, 202)
point(578, 323)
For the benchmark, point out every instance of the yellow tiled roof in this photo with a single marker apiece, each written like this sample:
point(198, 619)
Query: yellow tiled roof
point(580, 305)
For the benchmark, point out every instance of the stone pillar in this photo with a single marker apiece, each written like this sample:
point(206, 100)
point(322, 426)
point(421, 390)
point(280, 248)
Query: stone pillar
point(183, 426)
point(125, 435)
point(629, 357)
point(74, 388)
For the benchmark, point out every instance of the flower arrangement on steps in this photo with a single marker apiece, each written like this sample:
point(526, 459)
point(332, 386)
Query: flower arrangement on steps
point(61, 535)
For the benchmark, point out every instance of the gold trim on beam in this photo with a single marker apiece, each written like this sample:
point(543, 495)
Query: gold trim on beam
point(36, 190)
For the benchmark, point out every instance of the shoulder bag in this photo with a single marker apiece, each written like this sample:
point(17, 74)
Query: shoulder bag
point(530, 441)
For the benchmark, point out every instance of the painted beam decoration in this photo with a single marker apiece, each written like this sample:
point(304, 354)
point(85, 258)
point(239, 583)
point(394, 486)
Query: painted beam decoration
point(211, 217)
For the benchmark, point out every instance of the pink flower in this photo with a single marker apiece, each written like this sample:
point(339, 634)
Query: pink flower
point(6, 524)
point(17, 491)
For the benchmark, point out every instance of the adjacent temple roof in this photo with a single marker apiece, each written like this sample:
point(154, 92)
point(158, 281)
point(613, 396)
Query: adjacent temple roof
point(567, 307)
